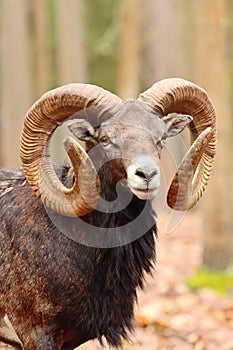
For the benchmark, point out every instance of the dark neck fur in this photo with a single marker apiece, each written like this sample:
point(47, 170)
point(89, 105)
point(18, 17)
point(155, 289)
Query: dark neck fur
point(119, 270)
point(96, 286)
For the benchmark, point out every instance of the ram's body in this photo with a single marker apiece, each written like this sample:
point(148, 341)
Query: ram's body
point(58, 288)
point(75, 246)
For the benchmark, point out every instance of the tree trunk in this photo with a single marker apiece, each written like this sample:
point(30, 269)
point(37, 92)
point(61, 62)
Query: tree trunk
point(15, 76)
point(42, 80)
point(165, 40)
point(72, 62)
point(129, 48)
point(210, 68)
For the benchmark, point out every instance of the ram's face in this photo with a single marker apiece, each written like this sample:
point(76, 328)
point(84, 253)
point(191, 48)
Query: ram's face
point(132, 141)
point(133, 153)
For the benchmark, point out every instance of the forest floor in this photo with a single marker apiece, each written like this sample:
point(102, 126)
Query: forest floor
point(171, 316)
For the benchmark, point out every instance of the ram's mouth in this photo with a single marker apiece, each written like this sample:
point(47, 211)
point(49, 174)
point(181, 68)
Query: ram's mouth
point(144, 193)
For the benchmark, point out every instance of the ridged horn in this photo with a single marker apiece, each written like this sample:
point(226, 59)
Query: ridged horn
point(50, 111)
point(180, 96)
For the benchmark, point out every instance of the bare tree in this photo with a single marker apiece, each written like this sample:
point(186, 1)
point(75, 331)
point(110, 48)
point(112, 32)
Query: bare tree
point(72, 62)
point(42, 79)
point(211, 71)
point(15, 76)
point(165, 39)
point(129, 48)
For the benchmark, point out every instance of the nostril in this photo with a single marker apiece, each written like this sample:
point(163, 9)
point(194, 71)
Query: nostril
point(154, 173)
point(141, 173)
point(146, 176)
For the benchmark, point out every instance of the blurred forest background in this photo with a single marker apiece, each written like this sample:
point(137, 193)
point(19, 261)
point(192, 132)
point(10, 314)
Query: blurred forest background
point(124, 46)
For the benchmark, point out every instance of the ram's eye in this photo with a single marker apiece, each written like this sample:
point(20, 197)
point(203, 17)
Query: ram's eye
point(160, 144)
point(105, 141)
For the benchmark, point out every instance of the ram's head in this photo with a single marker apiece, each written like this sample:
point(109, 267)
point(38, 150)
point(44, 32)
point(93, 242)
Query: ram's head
point(129, 133)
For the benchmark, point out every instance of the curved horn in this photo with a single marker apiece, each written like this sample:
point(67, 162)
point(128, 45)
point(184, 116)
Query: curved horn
point(181, 96)
point(50, 111)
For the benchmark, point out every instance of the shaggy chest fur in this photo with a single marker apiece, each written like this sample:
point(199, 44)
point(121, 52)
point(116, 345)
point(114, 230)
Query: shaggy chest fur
point(66, 284)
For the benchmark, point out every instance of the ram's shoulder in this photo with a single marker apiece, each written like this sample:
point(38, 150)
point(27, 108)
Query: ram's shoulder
point(9, 179)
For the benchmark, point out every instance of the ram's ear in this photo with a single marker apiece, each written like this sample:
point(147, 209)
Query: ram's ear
point(176, 123)
point(82, 129)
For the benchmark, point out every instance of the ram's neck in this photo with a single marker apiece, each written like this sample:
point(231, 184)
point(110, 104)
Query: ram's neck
point(119, 272)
